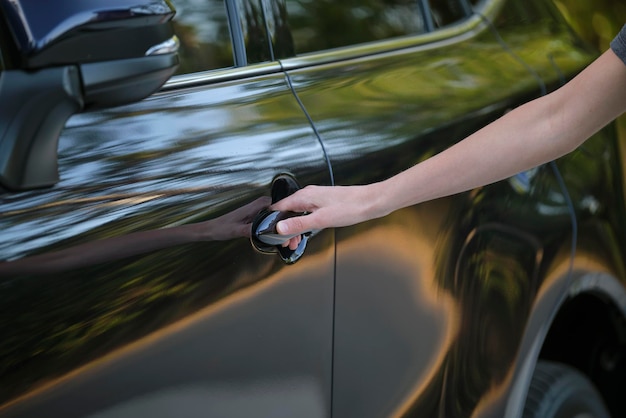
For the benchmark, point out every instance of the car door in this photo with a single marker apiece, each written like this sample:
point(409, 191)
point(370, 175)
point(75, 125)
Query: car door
point(593, 177)
point(432, 300)
point(131, 288)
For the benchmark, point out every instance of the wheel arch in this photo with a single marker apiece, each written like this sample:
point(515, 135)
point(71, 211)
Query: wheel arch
point(556, 325)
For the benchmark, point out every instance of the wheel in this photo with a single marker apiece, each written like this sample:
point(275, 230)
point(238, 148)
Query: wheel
point(560, 391)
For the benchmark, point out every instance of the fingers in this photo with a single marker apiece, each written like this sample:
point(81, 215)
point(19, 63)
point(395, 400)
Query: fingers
point(262, 202)
point(284, 227)
point(301, 201)
point(245, 230)
point(298, 224)
point(293, 243)
point(258, 204)
point(247, 212)
point(311, 200)
point(287, 205)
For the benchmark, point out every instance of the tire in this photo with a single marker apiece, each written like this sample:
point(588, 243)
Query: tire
point(560, 391)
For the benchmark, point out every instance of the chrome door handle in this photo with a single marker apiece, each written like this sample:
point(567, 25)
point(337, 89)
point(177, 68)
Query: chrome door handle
point(267, 240)
point(264, 230)
point(264, 236)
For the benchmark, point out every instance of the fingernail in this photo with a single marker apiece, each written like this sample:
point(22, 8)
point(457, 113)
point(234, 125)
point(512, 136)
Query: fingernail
point(281, 227)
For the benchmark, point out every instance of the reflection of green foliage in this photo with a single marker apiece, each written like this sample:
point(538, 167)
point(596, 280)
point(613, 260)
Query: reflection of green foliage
point(255, 35)
point(323, 24)
point(61, 321)
point(71, 317)
point(202, 29)
point(196, 55)
point(596, 21)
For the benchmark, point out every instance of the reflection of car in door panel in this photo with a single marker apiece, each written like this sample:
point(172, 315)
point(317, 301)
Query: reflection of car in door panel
point(440, 294)
point(386, 113)
point(61, 59)
point(131, 287)
point(173, 160)
point(123, 299)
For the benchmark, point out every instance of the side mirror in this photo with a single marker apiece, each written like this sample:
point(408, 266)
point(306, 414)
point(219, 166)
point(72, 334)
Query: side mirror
point(67, 56)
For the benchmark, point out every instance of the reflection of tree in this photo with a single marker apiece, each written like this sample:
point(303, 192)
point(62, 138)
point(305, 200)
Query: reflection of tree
point(229, 226)
point(494, 281)
point(196, 55)
point(202, 29)
point(282, 41)
point(68, 306)
point(255, 35)
point(597, 22)
point(323, 24)
point(514, 239)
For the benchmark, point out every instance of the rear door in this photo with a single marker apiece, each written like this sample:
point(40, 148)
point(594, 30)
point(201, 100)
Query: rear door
point(388, 84)
point(131, 287)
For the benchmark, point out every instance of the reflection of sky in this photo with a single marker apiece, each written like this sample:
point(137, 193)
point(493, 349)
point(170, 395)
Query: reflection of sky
point(74, 223)
point(165, 158)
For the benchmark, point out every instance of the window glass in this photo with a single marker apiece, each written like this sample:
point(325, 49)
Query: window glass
point(278, 26)
point(446, 12)
point(202, 28)
point(5, 60)
point(251, 18)
point(323, 24)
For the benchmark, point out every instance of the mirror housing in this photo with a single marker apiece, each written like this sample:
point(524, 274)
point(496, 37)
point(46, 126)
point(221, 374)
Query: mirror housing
point(67, 56)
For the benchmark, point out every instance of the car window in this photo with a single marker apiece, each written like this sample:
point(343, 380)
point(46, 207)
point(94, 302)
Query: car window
point(318, 25)
point(202, 28)
point(254, 31)
point(446, 12)
point(4, 49)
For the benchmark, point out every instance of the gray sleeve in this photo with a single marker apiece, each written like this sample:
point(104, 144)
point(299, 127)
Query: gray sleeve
point(618, 45)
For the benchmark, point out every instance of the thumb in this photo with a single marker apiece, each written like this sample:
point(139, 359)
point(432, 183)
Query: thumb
point(296, 225)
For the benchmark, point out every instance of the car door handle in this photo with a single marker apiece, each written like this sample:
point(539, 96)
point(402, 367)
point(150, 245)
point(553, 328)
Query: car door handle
point(264, 236)
point(266, 239)
point(264, 230)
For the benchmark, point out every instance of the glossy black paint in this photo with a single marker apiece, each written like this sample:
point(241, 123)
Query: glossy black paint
point(56, 33)
point(102, 285)
point(70, 60)
point(421, 262)
point(131, 288)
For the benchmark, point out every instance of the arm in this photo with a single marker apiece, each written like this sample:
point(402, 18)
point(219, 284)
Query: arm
point(229, 226)
point(534, 133)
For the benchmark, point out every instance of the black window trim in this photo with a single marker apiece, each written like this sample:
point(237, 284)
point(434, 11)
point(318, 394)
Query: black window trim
point(427, 17)
point(473, 22)
point(236, 34)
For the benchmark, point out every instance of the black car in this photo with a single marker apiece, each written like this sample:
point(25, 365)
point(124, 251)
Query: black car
point(139, 273)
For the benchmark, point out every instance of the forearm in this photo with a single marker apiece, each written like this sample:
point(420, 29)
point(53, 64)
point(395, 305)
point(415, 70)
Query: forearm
point(530, 135)
point(516, 142)
point(231, 225)
point(100, 251)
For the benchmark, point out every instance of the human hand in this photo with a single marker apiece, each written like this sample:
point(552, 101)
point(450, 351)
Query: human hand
point(235, 224)
point(326, 207)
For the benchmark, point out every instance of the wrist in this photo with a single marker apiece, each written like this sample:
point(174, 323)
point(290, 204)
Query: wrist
point(195, 232)
point(376, 200)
